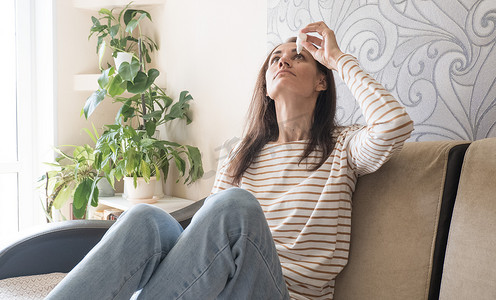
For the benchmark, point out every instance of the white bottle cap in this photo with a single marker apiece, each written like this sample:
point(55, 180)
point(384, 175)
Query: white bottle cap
point(302, 37)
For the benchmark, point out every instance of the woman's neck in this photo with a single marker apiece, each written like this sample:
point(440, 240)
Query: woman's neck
point(294, 119)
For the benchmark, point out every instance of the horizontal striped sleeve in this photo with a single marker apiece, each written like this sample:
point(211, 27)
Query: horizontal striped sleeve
point(388, 124)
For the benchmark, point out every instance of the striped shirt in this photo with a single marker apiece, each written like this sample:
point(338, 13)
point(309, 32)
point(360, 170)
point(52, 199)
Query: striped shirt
point(309, 212)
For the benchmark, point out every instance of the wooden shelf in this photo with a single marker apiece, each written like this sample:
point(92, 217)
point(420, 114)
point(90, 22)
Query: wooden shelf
point(86, 82)
point(97, 4)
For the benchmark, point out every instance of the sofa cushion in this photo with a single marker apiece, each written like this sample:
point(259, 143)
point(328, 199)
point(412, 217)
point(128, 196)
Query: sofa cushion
point(29, 287)
point(470, 261)
point(395, 217)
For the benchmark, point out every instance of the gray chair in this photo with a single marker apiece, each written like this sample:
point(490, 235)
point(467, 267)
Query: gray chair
point(58, 247)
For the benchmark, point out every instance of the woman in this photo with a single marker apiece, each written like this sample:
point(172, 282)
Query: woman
point(277, 224)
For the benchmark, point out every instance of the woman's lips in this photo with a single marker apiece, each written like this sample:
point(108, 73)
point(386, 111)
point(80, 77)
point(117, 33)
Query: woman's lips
point(284, 71)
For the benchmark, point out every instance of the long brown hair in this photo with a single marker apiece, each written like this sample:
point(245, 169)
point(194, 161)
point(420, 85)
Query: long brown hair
point(261, 126)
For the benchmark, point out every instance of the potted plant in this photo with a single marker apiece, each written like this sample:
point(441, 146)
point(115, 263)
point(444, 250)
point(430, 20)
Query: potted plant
point(73, 177)
point(127, 74)
point(117, 33)
point(124, 152)
point(128, 147)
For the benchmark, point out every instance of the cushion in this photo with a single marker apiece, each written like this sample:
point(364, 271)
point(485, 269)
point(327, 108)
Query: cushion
point(395, 221)
point(470, 262)
point(29, 287)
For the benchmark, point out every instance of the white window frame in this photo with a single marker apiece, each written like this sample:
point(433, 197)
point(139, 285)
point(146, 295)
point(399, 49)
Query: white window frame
point(36, 103)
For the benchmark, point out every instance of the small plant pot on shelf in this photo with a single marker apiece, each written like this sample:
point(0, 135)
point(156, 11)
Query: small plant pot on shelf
point(104, 188)
point(122, 57)
point(142, 193)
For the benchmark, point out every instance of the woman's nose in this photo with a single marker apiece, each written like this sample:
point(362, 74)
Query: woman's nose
point(284, 61)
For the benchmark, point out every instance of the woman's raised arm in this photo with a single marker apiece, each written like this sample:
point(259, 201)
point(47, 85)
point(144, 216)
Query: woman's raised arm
point(388, 124)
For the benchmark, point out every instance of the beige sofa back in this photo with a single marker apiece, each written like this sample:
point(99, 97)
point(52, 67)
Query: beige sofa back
point(395, 223)
point(470, 261)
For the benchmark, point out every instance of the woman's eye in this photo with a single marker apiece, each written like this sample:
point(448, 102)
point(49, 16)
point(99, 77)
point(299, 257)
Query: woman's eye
point(274, 59)
point(298, 56)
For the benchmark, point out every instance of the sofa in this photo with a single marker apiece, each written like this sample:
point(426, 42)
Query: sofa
point(423, 227)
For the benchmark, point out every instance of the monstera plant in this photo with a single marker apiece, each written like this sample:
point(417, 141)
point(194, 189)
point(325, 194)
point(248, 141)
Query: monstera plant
point(129, 147)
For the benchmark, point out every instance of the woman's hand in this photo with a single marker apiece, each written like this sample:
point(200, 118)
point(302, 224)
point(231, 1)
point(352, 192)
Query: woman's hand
point(325, 50)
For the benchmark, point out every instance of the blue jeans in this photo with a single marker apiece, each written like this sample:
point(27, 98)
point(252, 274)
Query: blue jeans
point(227, 252)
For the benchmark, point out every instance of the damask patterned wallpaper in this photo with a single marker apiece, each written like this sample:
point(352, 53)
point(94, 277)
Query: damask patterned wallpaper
point(437, 57)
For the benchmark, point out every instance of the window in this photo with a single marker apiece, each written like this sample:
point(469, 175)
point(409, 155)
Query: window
point(28, 117)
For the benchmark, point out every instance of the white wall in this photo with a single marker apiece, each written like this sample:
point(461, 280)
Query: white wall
point(76, 55)
point(213, 49)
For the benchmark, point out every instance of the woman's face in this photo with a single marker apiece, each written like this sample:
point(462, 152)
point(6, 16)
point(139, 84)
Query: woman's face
point(292, 74)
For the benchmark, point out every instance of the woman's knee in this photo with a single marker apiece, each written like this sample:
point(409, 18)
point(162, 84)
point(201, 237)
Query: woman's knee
point(145, 213)
point(234, 198)
point(234, 203)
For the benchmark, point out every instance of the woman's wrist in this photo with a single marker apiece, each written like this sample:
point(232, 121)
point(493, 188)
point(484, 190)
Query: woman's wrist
point(333, 59)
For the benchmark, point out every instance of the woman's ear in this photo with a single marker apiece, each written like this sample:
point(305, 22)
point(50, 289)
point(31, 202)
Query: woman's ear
point(322, 84)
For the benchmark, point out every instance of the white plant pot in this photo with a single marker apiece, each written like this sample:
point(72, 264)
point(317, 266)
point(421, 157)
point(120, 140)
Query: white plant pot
point(122, 57)
point(143, 193)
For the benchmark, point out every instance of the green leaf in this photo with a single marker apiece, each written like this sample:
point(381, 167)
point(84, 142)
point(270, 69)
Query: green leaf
point(116, 86)
point(131, 25)
point(93, 101)
point(185, 96)
point(105, 11)
point(153, 115)
point(104, 78)
point(95, 21)
point(130, 162)
point(179, 109)
point(129, 71)
point(101, 51)
point(126, 111)
point(180, 163)
point(78, 212)
point(166, 100)
point(142, 81)
point(128, 15)
point(139, 85)
point(142, 17)
point(145, 170)
point(62, 197)
point(99, 48)
point(152, 75)
point(114, 30)
point(82, 193)
point(131, 13)
point(150, 127)
point(94, 192)
point(157, 173)
point(172, 144)
point(195, 162)
point(165, 169)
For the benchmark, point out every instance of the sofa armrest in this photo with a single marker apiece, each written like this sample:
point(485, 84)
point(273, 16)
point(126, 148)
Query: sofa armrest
point(56, 247)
